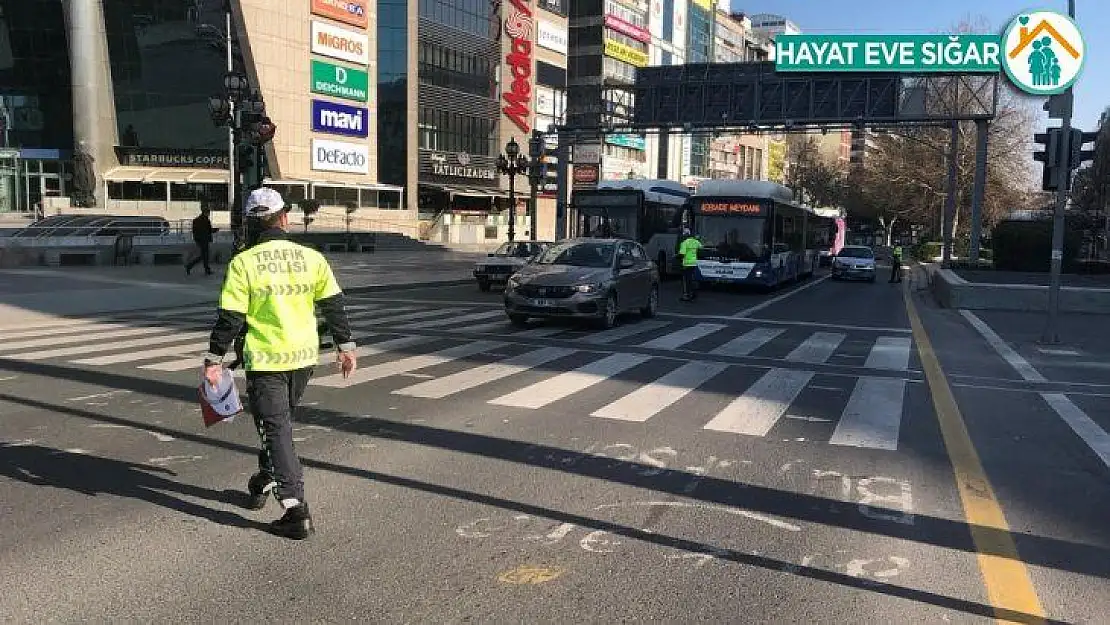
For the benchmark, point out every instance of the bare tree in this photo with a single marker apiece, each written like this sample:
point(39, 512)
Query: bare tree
point(1090, 191)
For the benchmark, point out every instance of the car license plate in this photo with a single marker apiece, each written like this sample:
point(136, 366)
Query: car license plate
point(543, 303)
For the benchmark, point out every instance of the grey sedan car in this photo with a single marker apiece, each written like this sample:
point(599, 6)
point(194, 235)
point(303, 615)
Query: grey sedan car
point(596, 279)
point(854, 262)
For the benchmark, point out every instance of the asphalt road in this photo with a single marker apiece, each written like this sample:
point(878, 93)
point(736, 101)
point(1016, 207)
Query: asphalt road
point(746, 458)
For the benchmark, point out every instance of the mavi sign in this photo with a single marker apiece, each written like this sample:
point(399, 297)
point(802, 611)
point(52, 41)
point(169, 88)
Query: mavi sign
point(340, 119)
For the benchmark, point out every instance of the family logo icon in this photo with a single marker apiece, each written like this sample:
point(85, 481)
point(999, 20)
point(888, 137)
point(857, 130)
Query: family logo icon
point(1044, 52)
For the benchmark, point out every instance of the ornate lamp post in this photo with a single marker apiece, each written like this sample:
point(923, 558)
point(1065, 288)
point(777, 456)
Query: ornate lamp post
point(512, 163)
point(244, 112)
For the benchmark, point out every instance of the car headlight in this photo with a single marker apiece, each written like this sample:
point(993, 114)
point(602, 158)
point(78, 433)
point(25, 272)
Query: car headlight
point(588, 288)
point(512, 282)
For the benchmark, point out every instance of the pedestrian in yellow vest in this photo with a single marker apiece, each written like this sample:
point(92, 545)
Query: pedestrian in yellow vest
point(896, 264)
point(688, 250)
point(274, 288)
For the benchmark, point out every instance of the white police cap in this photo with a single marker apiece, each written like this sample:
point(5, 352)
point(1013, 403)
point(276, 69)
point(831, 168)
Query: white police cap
point(263, 202)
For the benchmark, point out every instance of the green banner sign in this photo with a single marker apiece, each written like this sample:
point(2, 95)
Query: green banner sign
point(888, 53)
point(339, 81)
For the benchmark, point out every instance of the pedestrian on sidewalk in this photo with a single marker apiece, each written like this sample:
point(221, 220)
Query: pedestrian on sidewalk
point(688, 250)
point(274, 287)
point(202, 237)
point(896, 264)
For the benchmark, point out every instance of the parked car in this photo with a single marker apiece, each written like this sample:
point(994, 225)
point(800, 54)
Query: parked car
point(505, 261)
point(854, 262)
point(595, 279)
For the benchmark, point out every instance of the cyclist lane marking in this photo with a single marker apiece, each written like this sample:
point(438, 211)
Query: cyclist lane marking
point(1006, 578)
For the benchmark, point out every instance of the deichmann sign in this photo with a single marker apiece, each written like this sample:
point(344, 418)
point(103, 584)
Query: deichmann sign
point(340, 119)
point(341, 82)
point(340, 43)
point(518, 93)
point(348, 158)
point(351, 12)
point(1042, 52)
point(628, 54)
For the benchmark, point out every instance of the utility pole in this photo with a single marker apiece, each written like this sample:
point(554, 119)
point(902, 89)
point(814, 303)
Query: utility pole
point(949, 218)
point(1063, 172)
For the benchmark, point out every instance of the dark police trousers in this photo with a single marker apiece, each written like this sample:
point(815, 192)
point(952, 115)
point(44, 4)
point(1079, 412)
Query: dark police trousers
point(689, 282)
point(273, 397)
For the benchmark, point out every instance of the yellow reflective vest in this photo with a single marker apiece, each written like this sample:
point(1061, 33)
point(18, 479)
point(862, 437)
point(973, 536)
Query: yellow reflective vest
point(275, 285)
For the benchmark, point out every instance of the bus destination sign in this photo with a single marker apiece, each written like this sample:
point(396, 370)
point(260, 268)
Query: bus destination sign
point(731, 208)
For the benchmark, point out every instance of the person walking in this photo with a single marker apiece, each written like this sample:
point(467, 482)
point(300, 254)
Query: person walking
point(202, 236)
point(688, 250)
point(273, 288)
point(896, 264)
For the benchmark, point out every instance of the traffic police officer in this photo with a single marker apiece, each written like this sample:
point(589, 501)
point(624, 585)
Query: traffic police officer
point(896, 264)
point(688, 250)
point(272, 288)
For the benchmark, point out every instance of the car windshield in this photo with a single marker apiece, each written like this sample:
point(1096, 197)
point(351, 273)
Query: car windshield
point(516, 250)
point(584, 254)
point(856, 252)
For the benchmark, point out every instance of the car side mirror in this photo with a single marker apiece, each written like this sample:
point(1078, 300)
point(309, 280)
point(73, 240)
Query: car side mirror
point(490, 254)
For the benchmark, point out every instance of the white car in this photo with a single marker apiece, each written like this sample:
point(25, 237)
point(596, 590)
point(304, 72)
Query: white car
point(506, 260)
point(854, 262)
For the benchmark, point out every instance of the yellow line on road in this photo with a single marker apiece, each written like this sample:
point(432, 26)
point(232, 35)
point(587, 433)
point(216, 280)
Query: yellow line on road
point(1005, 576)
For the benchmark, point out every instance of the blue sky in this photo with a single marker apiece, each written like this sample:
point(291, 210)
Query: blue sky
point(1092, 92)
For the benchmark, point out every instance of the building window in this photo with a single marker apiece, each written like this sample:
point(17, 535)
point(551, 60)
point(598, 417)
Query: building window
point(447, 131)
point(477, 17)
point(393, 94)
point(445, 66)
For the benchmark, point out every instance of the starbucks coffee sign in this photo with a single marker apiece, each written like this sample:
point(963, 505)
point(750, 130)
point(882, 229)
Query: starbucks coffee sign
point(340, 82)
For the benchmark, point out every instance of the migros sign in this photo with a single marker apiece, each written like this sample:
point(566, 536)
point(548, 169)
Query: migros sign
point(351, 12)
point(340, 43)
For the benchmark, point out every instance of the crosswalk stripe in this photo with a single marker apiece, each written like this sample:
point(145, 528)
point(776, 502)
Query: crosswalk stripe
point(678, 338)
point(83, 327)
point(756, 411)
point(413, 316)
point(179, 312)
point(616, 334)
point(174, 350)
point(406, 365)
point(563, 385)
point(326, 356)
point(748, 342)
point(647, 401)
point(873, 415)
point(541, 332)
point(454, 321)
point(487, 327)
point(817, 348)
point(118, 346)
point(472, 378)
point(83, 337)
point(890, 352)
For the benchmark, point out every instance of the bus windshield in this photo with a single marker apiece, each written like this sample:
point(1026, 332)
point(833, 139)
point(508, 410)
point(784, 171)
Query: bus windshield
point(731, 238)
point(611, 218)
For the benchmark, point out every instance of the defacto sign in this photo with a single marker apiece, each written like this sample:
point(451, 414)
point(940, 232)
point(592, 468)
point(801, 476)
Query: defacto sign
point(340, 43)
point(348, 158)
point(351, 12)
point(1042, 52)
point(340, 82)
point(518, 88)
point(340, 119)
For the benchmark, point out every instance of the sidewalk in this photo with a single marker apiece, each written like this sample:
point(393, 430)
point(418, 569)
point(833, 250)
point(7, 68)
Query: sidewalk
point(36, 295)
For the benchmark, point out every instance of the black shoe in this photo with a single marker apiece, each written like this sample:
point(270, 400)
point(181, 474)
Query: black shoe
point(296, 523)
point(258, 491)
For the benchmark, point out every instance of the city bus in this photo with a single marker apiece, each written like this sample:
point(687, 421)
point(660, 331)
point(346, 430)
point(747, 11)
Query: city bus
point(646, 211)
point(754, 233)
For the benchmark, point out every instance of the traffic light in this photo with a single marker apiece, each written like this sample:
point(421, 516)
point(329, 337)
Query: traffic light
point(1050, 157)
point(1078, 155)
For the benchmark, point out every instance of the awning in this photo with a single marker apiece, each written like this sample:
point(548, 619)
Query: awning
point(468, 191)
point(165, 174)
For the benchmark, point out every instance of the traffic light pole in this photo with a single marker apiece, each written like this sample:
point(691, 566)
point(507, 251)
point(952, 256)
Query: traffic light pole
point(1051, 331)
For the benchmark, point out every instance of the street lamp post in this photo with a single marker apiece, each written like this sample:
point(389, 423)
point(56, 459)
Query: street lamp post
point(512, 163)
point(244, 112)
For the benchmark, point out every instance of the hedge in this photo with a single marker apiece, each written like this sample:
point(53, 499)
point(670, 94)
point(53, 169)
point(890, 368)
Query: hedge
point(1027, 245)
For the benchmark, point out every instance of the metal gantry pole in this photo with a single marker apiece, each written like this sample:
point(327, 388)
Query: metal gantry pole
point(982, 131)
point(562, 175)
point(950, 201)
point(231, 130)
point(1051, 331)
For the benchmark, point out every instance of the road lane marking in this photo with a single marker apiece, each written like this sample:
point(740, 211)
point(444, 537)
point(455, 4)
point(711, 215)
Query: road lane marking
point(99, 347)
point(471, 378)
point(609, 336)
point(83, 337)
point(1021, 365)
point(760, 407)
point(98, 395)
point(173, 350)
point(541, 332)
point(647, 401)
point(1005, 576)
point(1095, 437)
point(873, 415)
point(786, 322)
point(406, 365)
point(890, 352)
point(748, 342)
point(774, 300)
point(414, 316)
point(817, 348)
point(563, 385)
point(681, 337)
point(453, 321)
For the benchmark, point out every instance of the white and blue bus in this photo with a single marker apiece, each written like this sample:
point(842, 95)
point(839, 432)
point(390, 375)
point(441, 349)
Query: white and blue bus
point(754, 233)
point(647, 211)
